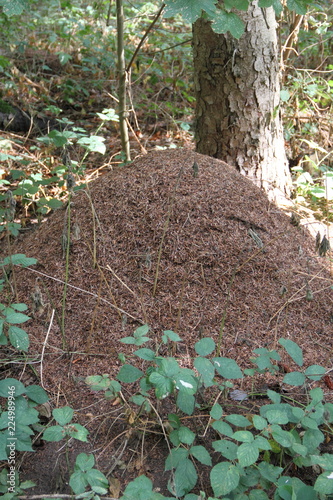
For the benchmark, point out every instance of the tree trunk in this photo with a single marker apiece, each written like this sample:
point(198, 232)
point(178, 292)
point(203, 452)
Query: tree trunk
point(237, 85)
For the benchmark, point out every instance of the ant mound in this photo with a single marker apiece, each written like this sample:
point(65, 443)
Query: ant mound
point(181, 242)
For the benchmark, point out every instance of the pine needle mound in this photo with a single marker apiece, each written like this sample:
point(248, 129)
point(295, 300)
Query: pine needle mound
point(197, 249)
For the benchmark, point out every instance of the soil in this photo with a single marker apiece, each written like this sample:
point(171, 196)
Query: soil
point(181, 242)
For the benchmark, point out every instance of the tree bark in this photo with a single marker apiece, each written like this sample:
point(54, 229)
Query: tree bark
point(237, 86)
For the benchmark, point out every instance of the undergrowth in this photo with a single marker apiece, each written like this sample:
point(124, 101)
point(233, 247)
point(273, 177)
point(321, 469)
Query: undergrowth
point(245, 455)
point(253, 456)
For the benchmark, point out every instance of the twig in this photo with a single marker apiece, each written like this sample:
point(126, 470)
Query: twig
point(86, 292)
point(148, 30)
point(120, 280)
point(43, 350)
point(293, 299)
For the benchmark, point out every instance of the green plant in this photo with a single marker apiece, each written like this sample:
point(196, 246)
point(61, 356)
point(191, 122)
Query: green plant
point(19, 416)
point(85, 475)
point(11, 487)
point(12, 314)
point(256, 451)
point(64, 427)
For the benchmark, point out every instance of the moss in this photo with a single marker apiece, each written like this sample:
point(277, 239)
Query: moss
point(5, 107)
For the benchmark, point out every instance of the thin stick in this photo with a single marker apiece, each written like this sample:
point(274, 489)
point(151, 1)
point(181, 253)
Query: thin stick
point(148, 30)
point(86, 292)
point(43, 350)
point(293, 299)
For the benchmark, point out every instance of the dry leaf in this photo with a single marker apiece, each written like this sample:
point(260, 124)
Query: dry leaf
point(114, 487)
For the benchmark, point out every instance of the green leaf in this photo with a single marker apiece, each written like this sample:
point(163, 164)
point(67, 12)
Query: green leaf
point(25, 415)
point(174, 458)
point(206, 370)
point(94, 143)
point(244, 436)
point(324, 461)
point(185, 435)
point(236, 4)
point(269, 471)
point(238, 420)
point(59, 139)
point(96, 479)
point(189, 9)
point(169, 367)
point(85, 462)
point(216, 412)
point(276, 4)
point(259, 422)
point(186, 382)
point(78, 432)
point(108, 115)
point(262, 443)
point(185, 402)
point(294, 378)
point(299, 6)
point(223, 428)
point(129, 374)
point(52, 203)
point(309, 423)
point(312, 438)
point(19, 259)
point(294, 351)
point(228, 21)
point(170, 335)
point(11, 387)
point(63, 415)
point(141, 331)
point(15, 317)
point(205, 346)
point(277, 417)
point(185, 477)
point(227, 448)
point(284, 95)
point(54, 433)
point(18, 338)
point(146, 354)
point(128, 340)
point(247, 454)
point(163, 385)
point(300, 449)
point(224, 478)
point(324, 483)
point(227, 368)
point(36, 394)
point(13, 7)
point(274, 396)
point(19, 307)
point(315, 372)
point(139, 489)
point(284, 438)
point(317, 395)
point(201, 454)
point(78, 482)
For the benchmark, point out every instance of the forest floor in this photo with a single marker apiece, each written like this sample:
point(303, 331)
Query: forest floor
point(157, 221)
point(156, 243)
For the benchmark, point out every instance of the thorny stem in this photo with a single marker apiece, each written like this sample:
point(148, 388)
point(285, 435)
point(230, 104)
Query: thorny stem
point(68, 242)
